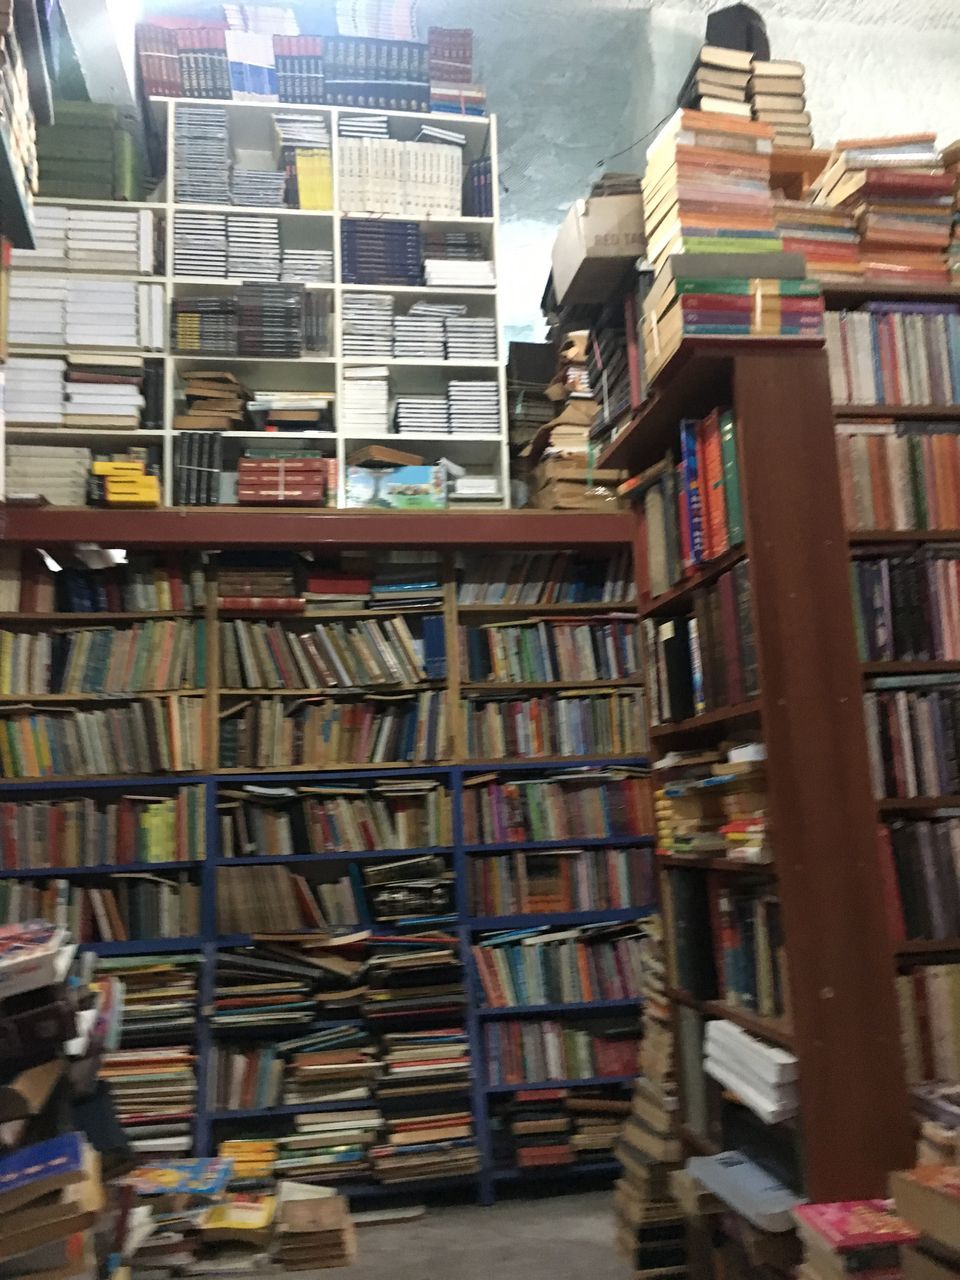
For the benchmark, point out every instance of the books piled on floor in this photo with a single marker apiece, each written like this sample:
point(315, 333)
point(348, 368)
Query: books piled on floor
point(706, 190)
point(306, 266)
point(104, 392)
point(418, 336)
point(57, 472)
point(52, 1200)
point(314, 1229)
point(473, 406)
point(214, 401)
point(903, 200)
point(200, 244)
point(854, 1236)
point(366, 401)
point(253, 247)
point(778, 98)
point(90, 152)
point(827, 238)
point(471, 338)
point(421, 415)
point(926, 1200)
point(34, 391)
point(378, 252)
point(718, 82)
point(367, 326)
point(202, 160)
point(872, 361)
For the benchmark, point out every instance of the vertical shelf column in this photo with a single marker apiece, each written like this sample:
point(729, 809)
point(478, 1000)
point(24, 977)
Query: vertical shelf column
point(854, 1106)
point(501, 337)
point(169, 364)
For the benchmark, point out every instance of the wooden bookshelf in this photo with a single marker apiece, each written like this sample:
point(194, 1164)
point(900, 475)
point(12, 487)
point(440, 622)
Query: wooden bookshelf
point(870, 537)
point(893, 667)
point(927, 947)
point(901, 412)
point(852, 293)
point(917, 804)
point(726, 866)
point(669, 600)
point(711, 721)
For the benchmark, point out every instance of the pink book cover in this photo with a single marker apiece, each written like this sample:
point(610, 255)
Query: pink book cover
point(855, 1224)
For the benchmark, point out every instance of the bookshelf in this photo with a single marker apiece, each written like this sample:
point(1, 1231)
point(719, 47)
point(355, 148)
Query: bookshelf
point(206, 858)
point(841, 1017)
point(324, 372)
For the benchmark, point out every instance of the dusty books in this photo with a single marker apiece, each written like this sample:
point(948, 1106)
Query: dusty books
point(557, 807)
point(56, 472)
point(560, 880)
point(546, 578)
point(272, 898)
point(895, 353)
point(520, 1052)
point(778, 97)
point(559, 966)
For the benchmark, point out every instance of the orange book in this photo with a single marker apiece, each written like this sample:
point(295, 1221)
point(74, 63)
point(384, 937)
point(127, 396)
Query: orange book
point(879, 483)
point(583, 968)
point(943, 452)
point(715, 122)
point(691, 160)
point(711, 485)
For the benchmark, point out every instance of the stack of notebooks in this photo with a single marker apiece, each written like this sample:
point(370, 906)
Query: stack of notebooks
point(367, 326)
point(366, 401)
point(89, 152)
point(903, 200)
point(778, 98)
point(718, 82)
point(306, 266)
point(55, 472)
point(473, 407)
point(471, 338)
point(419, 415)
point(418, 336)
point(202, 160)
point(377, 252)
point(253, 247)
point(706, 191)
point(34, 391)
point(200, 244)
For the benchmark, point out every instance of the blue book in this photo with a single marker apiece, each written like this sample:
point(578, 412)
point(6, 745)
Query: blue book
point(691, 486)
point(37, 1170)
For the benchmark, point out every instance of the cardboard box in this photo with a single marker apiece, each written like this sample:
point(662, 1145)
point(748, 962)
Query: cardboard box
point(398, 488)
point(596, 243)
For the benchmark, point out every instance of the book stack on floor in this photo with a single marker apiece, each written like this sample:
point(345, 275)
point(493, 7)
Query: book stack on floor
point(926, 1199)
point(853, 1237)
point(314, 1229)
point(706, 191)
point(718, 82)
point(873, 363)
point(778, 98)
point(903, 200)
point(646, 1213)
point(90, 152)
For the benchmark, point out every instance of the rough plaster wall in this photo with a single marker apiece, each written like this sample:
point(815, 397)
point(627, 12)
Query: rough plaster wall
point(573, 82)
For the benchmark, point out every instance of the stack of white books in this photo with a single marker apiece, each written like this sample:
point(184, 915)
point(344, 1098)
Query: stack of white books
point(111, 240)
point(403, 179)
point(50, 238)
point(35, 391)
point(114, 313)
point(762, 1076)
point(38, 304)
point(367, 328)
point(471, 338)
point(366, 400)
point(459, 273)
point(473, 406)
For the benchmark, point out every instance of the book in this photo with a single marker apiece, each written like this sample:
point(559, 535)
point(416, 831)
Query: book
point(571, 723)
point(613, 801)
point(926, 1198)
point(45, 1167)
point(560, 966)
point(571, 879)
point(520, 1052)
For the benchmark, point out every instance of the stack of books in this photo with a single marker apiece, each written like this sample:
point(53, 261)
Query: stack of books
point(471, 338)
point(34, 391)
point(612, 802)
point(421, 415)
point(560, 880)
point(37, 308)
point(418, 336)
point(706, 191)
point(710, 807)
point(536, 1128)
point(278, 411)
point(367, 325)
point(437, 1144)
point(473, 406)
point(872, 361)
point(202, 160)
point(389, 75)
point(57, 472)
point(778, 98)
point(903, 200)
point(370, 126)
point(313, 1228)
point(271, 321)
point(90, 152)
point(854, 1236)
point(101, 313)
point(718, 82)
point(257, 188)
point(926, 1200)
point(299, 64)
point(417, 973)
point(306, 266)
point(563, 966)
point(155, 1095)
point(214, 400)
point(204, 325)
point(453, 86)
point(200, 244)
point(111, 392)
point(376, 252)
point(304, 142)
point(50, 240)
point(763, 1077)
point(253, 247)
point(91, 240)
point(826, 238)
point(530, 1051)
point(427, 182)
point(366, 401)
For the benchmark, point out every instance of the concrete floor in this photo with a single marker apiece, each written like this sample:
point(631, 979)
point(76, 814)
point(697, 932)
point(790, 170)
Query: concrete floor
point(567, 1237)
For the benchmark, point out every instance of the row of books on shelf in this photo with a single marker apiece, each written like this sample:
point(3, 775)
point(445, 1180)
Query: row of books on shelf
point(517, 1052)
point(570, 723)
point(92, 831)
point(591, 803)
point(388, 650)
point(904, 604)
point(551, 650)
point(913, 735)
point(29, 585)
point(402, 813)
point(690, 509)
point(129, 907)
point(151, 735)
point(895, 353)
point(559, 966)
point(551, 577)
point(545, 1128)
point(927, 998)
point(707, 659)
point(899, 475)
point(727, 942)
point(561, 880)
point(272, 898)
point(919, 866)
point(152, 656)
point(713, 804)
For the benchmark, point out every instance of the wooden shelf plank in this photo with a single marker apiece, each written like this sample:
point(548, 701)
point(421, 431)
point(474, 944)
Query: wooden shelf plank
point(728, 866)
point(773, 1029)
point(709, 720)
point(703, 577)
point(897, 668)
point(927, 946)
point(534, 610)
point(868, 537)
point(917, 804)
point(898, 412)
point(850, 293)
point(570, 686)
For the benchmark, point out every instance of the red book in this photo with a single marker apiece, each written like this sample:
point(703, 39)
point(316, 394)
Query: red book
point(539, 1157)
point(894, 182)
point(848, 1225)
point(711, 485)
point(892, 902)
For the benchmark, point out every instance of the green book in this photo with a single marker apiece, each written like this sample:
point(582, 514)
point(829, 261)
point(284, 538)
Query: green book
point(744, 287)
point(731, 477)
point(732, 244)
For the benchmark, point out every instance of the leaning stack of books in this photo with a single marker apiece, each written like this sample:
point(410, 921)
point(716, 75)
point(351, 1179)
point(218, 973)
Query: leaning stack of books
point(903, 199)
point(706, 191)
point(778, 98)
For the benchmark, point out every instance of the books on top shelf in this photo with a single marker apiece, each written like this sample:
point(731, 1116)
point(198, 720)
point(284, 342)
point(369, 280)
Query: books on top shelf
point(912, 735)
point(560, 880)
point(72, 239)
point(920, 878)
point(778, 98)
point(763, 1077)
point(299, 66)
point(895, 353)
point(903, 201)
point(530, 1051)
point(559, 966)
point(562, 806)
point(826, 238)
point(124, 830)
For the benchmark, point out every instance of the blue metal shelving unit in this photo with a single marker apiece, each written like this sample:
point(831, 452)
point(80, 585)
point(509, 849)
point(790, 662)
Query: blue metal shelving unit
point(209, 942)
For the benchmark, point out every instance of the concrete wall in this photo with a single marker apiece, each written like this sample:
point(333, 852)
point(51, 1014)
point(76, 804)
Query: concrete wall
point(575, 82)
